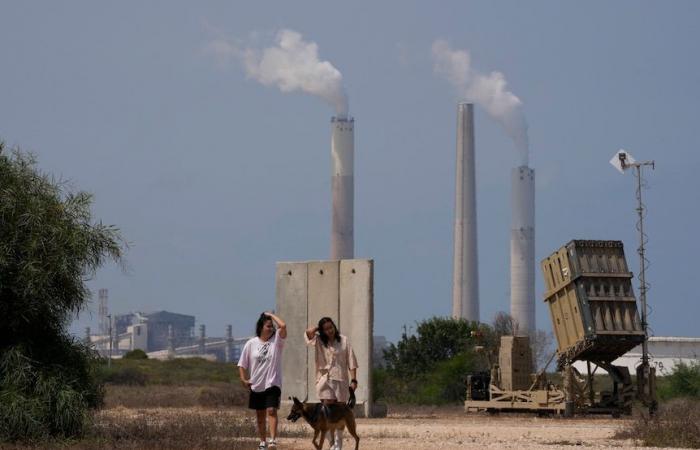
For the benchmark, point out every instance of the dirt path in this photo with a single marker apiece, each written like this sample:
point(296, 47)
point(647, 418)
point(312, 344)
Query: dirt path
point(415, 428)
point(475, 432)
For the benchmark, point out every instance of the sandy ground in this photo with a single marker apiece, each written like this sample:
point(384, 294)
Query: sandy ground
point(403, 432)
point(442, 428)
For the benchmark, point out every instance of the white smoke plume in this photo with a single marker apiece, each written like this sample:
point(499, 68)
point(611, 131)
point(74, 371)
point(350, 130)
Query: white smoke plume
point(490, 91)
point(292, 64)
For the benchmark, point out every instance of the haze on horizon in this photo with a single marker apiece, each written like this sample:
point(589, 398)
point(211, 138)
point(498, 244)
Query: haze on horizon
point(213, 176)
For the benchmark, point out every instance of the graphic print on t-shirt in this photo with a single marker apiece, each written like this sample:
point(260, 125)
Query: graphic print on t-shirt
point(263, 361)
point(264, 353)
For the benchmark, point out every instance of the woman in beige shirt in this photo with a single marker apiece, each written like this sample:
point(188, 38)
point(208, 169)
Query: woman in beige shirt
point(336, 365)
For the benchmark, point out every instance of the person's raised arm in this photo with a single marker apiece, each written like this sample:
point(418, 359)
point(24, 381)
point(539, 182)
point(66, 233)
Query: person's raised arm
point(280, 324)
point(311, 332)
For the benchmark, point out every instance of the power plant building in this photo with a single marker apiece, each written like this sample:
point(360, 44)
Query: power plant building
point(157, 324)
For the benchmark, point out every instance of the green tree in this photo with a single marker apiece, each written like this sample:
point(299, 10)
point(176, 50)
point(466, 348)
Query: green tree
point(683, 381)
point(436, 339)
point(430, 366)
point(49, 248)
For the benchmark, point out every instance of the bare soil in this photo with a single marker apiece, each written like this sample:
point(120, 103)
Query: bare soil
point(475, 431)
point(422, 428)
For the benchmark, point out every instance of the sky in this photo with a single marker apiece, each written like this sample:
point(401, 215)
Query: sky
point(212, 177)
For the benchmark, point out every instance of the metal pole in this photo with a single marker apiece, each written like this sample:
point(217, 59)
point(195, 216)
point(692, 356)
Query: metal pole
point(591, 391)
point(648, 396)
point(642, 267)
point(109, 360)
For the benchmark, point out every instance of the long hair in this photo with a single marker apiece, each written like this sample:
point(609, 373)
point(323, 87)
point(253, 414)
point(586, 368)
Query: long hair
point(261, 323)
point(322, 335)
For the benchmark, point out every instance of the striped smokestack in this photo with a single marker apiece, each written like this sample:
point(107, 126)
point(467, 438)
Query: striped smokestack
point(343, 185)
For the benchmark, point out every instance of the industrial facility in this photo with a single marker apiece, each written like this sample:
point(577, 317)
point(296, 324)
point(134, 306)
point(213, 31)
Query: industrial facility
point(522, 250)
point(343, 187)
point(161, 334)
point(465, 279)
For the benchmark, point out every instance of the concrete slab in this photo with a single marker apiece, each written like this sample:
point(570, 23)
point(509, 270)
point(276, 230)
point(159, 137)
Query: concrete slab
point(342, 290)
point(292, 306)
point(323, 299)
point(356, 321)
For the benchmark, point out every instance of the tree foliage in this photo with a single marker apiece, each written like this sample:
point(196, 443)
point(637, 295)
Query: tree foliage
point(49, 248)
point(431, 365)
point(683, 381)
point(436, 339)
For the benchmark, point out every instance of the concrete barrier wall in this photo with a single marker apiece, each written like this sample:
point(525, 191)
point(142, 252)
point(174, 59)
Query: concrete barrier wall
point(323, 302)
point(342, 290)
point(291, 285)
point(357, 319)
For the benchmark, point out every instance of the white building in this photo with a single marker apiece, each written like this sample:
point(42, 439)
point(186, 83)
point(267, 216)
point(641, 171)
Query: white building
point(665, 353)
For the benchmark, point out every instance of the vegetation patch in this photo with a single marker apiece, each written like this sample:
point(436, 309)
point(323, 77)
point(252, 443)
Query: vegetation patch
point(49, 246)
point(676, 424)
point(214, 395)
point(684, 381)
point(139, 372)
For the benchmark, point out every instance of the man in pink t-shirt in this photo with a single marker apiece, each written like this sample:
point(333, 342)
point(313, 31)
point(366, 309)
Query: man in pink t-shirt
point(260, 369)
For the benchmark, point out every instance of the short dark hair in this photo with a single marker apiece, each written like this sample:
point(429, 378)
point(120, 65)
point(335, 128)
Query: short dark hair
point(322, 335)
point(261, 323)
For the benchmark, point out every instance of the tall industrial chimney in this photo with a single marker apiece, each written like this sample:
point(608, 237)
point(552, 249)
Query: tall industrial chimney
point(343, 185)
point(522, 250)
point(465, 275)
point(103, 312)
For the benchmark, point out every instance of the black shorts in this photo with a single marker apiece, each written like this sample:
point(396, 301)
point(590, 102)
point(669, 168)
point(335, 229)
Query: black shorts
point(269, 398)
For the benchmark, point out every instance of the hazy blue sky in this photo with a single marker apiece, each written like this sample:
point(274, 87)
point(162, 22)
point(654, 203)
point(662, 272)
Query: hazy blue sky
point(213, 177)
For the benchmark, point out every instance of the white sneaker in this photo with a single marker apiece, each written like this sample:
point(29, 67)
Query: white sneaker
point(272, 443)
point(338, 440)
point(262, 446)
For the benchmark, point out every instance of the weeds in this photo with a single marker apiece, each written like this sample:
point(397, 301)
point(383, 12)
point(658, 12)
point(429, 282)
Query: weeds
point(676, 424)
point(208, 396)
point(180, 429)
point(683, 381)
point(139, 372)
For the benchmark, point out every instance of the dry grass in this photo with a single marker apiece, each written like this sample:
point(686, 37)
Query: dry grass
point(424, 411)
point(676, 424)
point(168, 428)
point(214, 395)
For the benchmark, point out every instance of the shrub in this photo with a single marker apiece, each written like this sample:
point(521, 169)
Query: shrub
point(39, 401)
point(128, 376)
point(49, 246)
point(684, 381)
point(442, 385)
point(676, 424)
point(136, 353)
point(446, 384)
point(436, 339)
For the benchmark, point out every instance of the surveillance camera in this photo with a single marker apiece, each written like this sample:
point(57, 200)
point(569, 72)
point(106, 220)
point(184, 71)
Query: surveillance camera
point(622, 160)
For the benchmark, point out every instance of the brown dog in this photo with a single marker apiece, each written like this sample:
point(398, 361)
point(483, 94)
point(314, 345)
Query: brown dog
point(337, 417)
